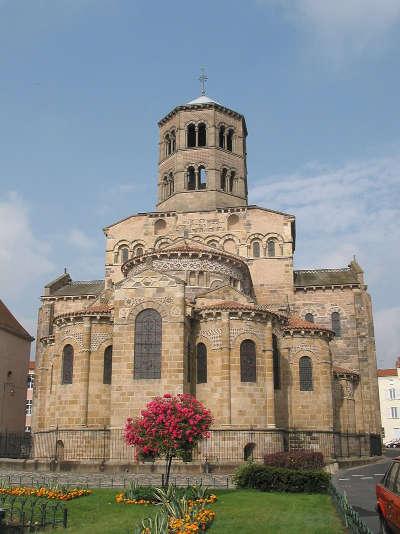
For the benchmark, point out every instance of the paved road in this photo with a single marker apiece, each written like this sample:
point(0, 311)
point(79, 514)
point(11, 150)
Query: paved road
point(359, 485)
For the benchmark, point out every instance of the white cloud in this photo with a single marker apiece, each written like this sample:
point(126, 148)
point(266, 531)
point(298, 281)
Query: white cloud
point(343, 28)
point(79, 239)
point(353, 209)
point(24, 258)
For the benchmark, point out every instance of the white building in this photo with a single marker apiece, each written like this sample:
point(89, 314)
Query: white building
point(389, 395)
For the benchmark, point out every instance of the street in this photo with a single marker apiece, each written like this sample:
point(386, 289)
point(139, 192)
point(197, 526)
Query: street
point(359, 485)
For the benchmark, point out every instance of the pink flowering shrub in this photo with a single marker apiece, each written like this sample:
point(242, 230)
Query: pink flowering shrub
point(170, 426)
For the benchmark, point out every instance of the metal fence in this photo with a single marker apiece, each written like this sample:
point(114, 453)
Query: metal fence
point(350, 517)
point(223, 446)
point(32, 513)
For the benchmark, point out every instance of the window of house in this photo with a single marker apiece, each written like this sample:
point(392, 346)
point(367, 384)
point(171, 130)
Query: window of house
point(124, 254)
point(202, 134)
point(107, 365)
point(67, 364)
point(256, 249)
point(148, 342)
point(305, 374)
point(336, 326)
point(271, 248)
point(202, 177)
point(276, 361)
point(201, 363)
point(191, 179)
point(173, 141)
point(394, 412)
point(392, 393)
point(224, 173)
point(229, 140)
point(222, 137)
point(309, 317)
point(31, 381)
point(232, 182)
point(167, 145)
point(28, 407)
point(248, 361)
point(191, 135)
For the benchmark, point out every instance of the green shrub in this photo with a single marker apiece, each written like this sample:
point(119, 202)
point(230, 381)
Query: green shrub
point(266, 478)
point(295, 460)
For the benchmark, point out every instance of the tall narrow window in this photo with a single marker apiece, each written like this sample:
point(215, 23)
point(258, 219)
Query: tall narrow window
point(124, 254)
point(276, 361)
point(167, 145)
point(256, 249)
point(222, 137)
point(224, 173)
point(201, 363)
point(202, 177)
point(67, 364)
point(271, 247)
point(248, 361)
point(229, 140)
point(171, 183)
point(232, 182)
point(305, 374)
point(191, 135)
point(148, 338)
point(336, 326)
point(189, 363)
point(173, 141)
point(202, 134)
point(191, 179)
point(107, 365)
point(309, 317)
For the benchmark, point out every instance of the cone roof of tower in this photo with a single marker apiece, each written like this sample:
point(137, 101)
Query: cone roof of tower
point(205, 102)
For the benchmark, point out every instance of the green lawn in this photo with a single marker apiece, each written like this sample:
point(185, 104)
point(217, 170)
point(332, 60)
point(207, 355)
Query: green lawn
point(241, 512)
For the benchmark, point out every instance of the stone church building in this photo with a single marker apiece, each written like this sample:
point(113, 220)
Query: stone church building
point(200, 296)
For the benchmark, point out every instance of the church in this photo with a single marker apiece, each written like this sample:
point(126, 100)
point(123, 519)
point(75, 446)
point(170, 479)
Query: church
point(200, 296)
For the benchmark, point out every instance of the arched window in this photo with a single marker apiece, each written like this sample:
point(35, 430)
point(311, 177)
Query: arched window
point(123, 254)
point(276, 362)
point(138, 251)
point(148, 339)
point(171, 184)
point(191, 179)
point(336, 326)
point(173, 141)
point(191, 135)
point(201, 363)
point(233, 220)
point(202, 177)
point(67, 364)
point(160, 226)
point(271, 247)
point(231, 182)
point(222, 137)
point(305, 374)
point(202, 135)
point(248, 451)
point(309, 317)
point(256, 249)
point(107, 365)
point(248, 361)
point(224, 173)
point(168, 146)
point(229, 140)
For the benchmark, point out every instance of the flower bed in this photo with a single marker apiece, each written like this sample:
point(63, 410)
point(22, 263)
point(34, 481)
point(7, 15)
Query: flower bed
point(47, 493)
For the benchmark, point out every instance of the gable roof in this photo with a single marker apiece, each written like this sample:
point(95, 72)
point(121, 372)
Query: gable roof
point(9, 323)
point(387, 372)
point(79, 287)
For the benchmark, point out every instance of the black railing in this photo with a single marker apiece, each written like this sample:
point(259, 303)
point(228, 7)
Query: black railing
point(15, 445)
point(223, 445)
point(32, 513)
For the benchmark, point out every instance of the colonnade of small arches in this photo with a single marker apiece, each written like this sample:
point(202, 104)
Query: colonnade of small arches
point(124, 251)
point(196, 134)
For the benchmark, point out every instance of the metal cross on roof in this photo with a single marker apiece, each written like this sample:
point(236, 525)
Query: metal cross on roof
point(203, 78)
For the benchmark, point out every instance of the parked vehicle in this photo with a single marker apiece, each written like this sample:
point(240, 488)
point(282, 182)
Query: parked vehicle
point(388, 499)
point(394, 444)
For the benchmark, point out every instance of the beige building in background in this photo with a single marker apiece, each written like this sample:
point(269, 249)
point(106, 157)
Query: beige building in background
point(200, 296)
point(389, 395)
point(15, 346)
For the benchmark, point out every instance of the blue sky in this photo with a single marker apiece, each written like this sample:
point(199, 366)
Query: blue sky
point(83, 83)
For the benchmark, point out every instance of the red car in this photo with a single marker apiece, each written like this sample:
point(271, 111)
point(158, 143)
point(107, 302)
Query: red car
point(388, 499)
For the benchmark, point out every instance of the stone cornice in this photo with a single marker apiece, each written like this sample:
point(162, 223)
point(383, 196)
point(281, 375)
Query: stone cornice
point(77, 316)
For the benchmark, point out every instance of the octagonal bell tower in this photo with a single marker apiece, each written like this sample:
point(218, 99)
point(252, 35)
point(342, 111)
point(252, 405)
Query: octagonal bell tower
point(202, 158)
